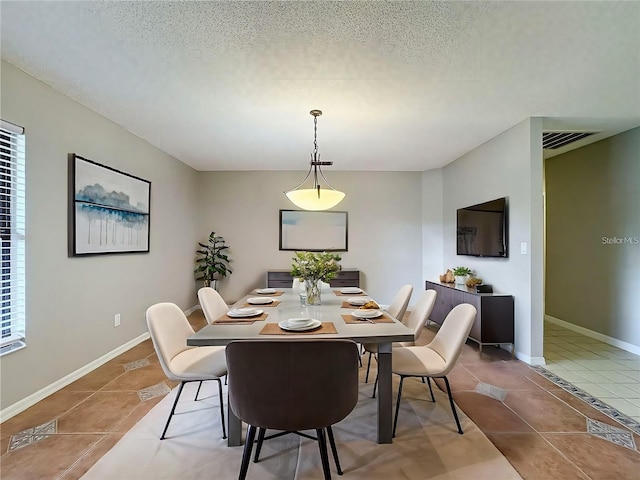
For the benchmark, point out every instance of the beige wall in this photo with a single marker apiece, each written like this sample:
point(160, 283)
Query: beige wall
point(508, 165)
point(71, 301)
point(385, 230)
point(593, 197)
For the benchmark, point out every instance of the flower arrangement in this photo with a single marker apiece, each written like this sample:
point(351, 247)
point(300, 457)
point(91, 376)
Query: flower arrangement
point(313, 267)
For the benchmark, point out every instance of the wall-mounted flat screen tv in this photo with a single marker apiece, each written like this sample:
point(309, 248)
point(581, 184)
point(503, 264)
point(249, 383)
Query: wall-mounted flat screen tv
point(482, 230)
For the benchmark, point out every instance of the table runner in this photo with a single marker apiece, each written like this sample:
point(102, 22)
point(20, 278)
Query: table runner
point(274, 329)
point(351, 319)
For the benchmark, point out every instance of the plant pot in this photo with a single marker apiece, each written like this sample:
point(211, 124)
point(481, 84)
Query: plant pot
point(461, 279)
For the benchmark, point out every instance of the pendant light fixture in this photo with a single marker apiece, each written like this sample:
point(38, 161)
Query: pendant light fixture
point(314, 197)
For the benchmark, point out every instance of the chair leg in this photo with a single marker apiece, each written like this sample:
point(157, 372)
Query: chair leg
point(433, 399)
point(375, 385)
point(453, 406)
point(366, 378)
point(395, 420)
point(334, 450)
point(224, 429)
point(198, 391)
point(173, 409)
point(261, 432)
point(246, 454)
point(324, 456)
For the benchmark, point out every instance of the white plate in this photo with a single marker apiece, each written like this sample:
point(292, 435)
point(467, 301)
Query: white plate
point(351, 290)
point(314, 324)
point(358, 300)
point(244, 312)
point(259, 300)
point(266, 290)
point(366, 313)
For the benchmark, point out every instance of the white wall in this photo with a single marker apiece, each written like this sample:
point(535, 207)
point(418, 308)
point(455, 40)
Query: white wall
point(508, 165)
point(71, 301)
point(385, 230)
point(432, 225)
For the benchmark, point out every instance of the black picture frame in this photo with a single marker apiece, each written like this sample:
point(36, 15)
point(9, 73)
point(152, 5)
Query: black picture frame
point(109, 210)
point(302, 230)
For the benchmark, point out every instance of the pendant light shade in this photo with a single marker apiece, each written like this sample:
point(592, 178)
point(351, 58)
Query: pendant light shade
point(315, 197)
point(310, 199)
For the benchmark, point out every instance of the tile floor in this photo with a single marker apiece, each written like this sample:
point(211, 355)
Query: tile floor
point(545, 431)
point(605, 372)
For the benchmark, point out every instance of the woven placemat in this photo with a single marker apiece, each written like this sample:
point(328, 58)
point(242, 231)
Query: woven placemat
point(227, 319)
point(340, 294)
point(351, 319)
point(275, 303)
point(274, 329)
point(277, 294)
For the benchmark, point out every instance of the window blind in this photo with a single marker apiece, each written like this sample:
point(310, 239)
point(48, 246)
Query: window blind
point(12, 237)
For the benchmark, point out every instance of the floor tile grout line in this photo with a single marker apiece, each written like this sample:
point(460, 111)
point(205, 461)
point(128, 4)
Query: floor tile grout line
point(81, 457)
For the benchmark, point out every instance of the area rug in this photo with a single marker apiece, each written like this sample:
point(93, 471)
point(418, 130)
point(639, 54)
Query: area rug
point(427, 445)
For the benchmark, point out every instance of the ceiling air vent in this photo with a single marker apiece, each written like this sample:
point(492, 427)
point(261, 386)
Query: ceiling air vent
point(554, 140)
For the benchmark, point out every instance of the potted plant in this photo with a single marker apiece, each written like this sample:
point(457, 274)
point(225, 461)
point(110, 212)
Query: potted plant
point(460, 274)
point(313, 267)
point(212, 262)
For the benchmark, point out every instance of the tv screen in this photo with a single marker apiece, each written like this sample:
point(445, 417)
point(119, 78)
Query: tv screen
point(482, 230)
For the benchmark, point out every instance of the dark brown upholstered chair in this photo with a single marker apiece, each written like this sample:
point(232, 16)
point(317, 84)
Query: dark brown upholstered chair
point(311, 385)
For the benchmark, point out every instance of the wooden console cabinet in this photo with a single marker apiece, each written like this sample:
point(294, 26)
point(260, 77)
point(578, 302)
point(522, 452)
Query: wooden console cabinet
point(347, 277)
point(494, 324)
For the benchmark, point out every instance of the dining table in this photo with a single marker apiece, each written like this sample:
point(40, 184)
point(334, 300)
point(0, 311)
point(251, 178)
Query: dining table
point(336, 320)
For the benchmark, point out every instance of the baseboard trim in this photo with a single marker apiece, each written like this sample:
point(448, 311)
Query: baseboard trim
point(533, 361)
point(191, 310)
point(34, 398)
point(629, 347)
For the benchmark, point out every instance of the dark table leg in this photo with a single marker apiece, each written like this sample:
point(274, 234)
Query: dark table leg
point(384, 393)
point(235, 429)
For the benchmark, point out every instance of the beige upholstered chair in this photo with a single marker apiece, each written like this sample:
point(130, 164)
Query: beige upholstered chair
point(400, 302)
point(396, 309)
point(169, 330)
point(416, 322)
point(311, 385)
point(438, 358)
point(212, 304)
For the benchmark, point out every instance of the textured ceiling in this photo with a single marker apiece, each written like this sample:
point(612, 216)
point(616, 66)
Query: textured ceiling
point(403, 85)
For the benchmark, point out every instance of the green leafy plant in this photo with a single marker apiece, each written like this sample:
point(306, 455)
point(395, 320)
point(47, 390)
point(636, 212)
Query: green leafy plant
point(461, 271)
point(315, 266)
point(212, 263)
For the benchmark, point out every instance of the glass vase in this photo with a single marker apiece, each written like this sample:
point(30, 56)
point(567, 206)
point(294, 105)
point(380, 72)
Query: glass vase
point(313, 292)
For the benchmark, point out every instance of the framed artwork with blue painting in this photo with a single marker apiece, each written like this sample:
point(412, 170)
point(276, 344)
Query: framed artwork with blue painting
point(314, 231)
point(108, 209)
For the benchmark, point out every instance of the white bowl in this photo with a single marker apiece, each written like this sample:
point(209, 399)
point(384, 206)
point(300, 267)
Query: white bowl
point(299, 322)
point(266, 290)
point(259, 300)
point(351, 290)
point(366, 313)
point(358, 300)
